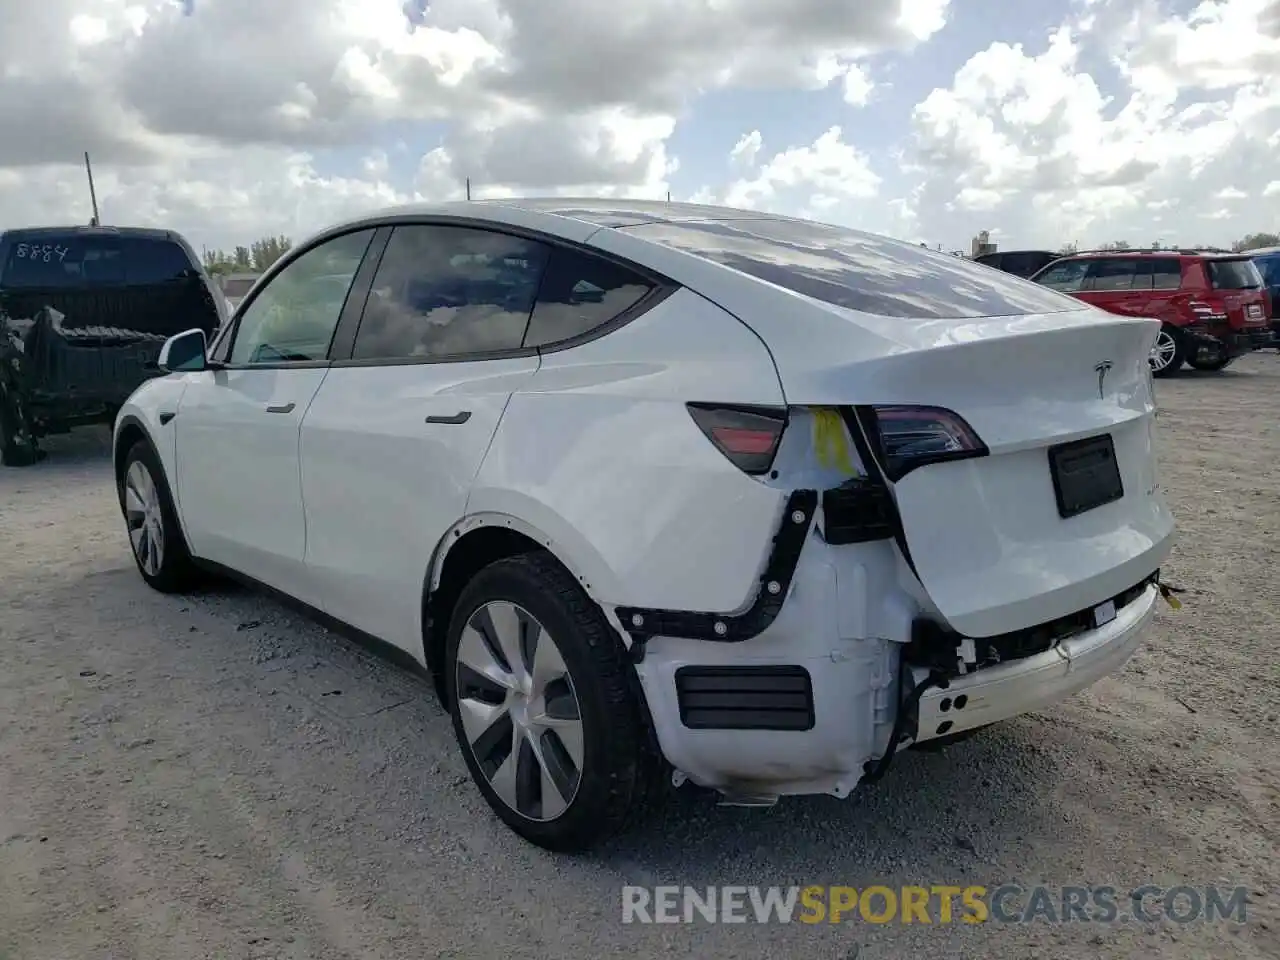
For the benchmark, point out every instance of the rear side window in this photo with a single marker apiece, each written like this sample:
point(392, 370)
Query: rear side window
point(1113, 275)
point(151, 260)
point(580, 293)
point(1166, 273)
point(859, 271)
point(1233, 274)
point(444, 291)
point(62, 261)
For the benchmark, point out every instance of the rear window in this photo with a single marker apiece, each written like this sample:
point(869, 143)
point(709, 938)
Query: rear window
point(70, 260)
point(1233, 274)
point(79, 260)
point(152, 260)
point(860, 271)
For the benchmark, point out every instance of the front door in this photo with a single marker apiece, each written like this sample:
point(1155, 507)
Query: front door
point(237, 427)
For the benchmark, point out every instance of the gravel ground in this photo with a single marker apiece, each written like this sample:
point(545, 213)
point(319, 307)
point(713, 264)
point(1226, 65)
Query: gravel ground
point(217, 776)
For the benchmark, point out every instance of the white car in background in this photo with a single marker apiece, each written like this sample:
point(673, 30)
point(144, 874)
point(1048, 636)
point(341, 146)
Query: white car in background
point(668, 489)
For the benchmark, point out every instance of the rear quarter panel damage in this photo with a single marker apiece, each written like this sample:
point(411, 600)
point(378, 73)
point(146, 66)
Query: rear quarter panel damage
point(598, 452)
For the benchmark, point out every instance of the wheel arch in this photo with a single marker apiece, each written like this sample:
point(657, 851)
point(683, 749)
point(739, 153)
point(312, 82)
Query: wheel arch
point(129, 430)
point(478, 540)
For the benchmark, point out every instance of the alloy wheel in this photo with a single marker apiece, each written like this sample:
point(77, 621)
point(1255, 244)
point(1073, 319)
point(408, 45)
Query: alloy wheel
point(519, 711)
point(144, 517)
point(1163, 351)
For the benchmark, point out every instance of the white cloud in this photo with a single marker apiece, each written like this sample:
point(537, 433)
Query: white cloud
point(237, 104)
point(1125, 121)
point(1026, 139)
point(857, 85)
point(829, 179)
point(743, 154)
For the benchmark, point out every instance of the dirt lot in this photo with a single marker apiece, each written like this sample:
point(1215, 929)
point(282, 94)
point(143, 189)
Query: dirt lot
point(218, 777)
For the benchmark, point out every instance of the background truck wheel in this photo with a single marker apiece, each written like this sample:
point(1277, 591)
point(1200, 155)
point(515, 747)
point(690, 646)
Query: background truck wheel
point(548, 722)
point(1168, 353)
point(1211, 365)
point(159, 548)
point(17, 445)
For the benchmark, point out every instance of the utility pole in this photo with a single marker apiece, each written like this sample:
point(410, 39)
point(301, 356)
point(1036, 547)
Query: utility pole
point(93, 196)
point(468, 188)
point(668, 196)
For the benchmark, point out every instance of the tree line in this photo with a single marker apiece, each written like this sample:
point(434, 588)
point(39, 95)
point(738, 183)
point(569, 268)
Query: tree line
point(254, 258)
point(1252, 241)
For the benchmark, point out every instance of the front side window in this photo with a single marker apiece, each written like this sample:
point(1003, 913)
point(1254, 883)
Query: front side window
point(293, 317)
point(1065, 277)
point(579, 294)
point(446, 291)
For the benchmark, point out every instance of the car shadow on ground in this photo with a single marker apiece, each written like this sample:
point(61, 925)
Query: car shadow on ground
point(974, 803)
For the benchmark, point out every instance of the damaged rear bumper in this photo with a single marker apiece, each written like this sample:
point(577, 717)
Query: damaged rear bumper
point(805, 708)
point(1009, 689)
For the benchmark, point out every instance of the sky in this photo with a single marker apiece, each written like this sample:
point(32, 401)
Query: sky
point(1076, 121)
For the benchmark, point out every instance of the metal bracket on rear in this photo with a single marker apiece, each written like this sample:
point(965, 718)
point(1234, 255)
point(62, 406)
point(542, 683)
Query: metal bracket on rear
point(797, 520)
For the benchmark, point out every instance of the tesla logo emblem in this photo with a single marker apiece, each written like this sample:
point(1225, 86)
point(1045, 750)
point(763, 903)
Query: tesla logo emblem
point(1102, 368)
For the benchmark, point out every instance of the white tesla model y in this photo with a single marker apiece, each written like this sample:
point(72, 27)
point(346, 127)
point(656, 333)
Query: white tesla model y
point(663, 491)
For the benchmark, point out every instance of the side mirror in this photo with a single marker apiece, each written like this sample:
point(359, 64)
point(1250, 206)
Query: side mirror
point(184, 352)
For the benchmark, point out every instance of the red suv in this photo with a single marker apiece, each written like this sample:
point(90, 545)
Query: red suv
point(1214, 306)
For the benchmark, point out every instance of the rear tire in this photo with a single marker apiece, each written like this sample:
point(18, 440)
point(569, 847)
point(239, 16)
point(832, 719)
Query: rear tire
point(17, 445)
point(542, 706)
point(159, 548)
point(1168, 353)
point(1211, 365)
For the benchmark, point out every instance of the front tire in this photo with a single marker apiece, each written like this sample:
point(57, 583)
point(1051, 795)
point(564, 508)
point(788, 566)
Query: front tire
point(159, 548)
point(548, 723)
point(1167, 354)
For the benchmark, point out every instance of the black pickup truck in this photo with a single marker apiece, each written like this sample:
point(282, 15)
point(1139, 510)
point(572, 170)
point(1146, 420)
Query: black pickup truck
point(83, 314)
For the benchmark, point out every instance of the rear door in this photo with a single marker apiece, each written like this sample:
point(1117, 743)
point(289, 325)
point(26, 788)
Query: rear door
point(1118, 285)
point(396, 434)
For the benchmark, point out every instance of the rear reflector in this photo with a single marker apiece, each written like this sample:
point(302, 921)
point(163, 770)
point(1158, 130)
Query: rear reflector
point(748, 436)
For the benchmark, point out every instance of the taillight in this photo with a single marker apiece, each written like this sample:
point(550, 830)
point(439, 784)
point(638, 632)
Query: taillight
point(1208, 311)
point(748, 436)
point(907, 437)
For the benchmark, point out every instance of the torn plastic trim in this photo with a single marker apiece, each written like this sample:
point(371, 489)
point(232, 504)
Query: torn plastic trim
point(788, 543)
